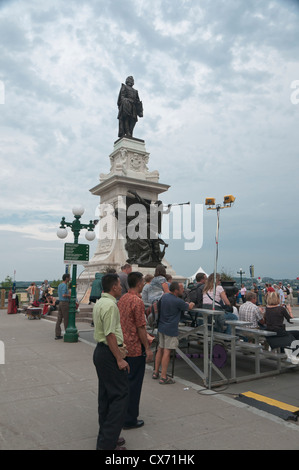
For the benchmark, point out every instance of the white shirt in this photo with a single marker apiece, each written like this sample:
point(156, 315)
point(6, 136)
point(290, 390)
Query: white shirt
point(207, 300)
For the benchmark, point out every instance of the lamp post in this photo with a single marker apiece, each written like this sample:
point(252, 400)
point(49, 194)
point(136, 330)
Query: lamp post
point(241, 272)
point(211, 203)
point(71, 332)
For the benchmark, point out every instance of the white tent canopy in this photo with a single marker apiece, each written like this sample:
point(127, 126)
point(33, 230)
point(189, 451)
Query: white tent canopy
point(200, 270)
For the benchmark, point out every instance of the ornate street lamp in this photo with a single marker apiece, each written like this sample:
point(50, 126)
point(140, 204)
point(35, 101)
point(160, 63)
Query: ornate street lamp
point(241, 272)
point(71, 332)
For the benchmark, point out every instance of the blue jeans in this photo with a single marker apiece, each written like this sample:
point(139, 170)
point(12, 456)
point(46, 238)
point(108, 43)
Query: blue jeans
point(229, 316)
point(220, 320)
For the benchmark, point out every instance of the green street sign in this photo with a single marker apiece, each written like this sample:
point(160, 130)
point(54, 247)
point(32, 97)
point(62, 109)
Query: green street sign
point(76, 253)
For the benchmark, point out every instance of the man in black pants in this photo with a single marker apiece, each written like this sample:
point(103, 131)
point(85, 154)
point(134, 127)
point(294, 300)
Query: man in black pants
point(112, 369)
point(133, 323)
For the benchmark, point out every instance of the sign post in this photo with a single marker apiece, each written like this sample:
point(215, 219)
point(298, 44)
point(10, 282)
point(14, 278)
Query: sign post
point(75, 253)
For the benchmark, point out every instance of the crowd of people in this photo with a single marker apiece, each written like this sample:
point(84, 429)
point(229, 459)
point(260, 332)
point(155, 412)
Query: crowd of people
point(120, 302)
point(124, 345)
point(285, 294)
point(123, 342)
point(272, 317)
point(42, 296)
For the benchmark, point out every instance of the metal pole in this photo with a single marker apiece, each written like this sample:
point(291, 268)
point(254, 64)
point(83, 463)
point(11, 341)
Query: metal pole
point(71, 332)
point(216, 256)
point(214, 295)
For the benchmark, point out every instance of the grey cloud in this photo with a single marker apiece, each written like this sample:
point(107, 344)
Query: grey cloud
point(12, 36)
point(230, 141)
point(45, 15)
point(18, 75)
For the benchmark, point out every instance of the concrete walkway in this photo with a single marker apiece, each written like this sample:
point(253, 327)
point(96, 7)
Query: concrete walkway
point(48, 400)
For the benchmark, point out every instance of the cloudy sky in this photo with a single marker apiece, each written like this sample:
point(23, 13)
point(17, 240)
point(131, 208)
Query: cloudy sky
point(220, 117)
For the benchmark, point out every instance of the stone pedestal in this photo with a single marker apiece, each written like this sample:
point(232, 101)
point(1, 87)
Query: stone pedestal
point(128, 171)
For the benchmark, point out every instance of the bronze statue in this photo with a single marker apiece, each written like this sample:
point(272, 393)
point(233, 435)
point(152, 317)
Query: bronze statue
point(148, 252)
point(129, 107)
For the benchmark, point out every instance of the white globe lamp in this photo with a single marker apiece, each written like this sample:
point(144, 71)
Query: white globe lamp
point(90, 235)
point(62, 232)
point(78, 210)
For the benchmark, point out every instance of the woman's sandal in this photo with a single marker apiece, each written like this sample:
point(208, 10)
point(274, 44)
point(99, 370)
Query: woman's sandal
point(167, 381)
point(155, 375)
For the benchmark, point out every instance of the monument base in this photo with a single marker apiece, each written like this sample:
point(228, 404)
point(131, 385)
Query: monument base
point(128, 172)
point(87, 276)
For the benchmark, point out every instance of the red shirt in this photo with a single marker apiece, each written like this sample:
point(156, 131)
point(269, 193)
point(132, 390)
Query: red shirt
point(132, 316)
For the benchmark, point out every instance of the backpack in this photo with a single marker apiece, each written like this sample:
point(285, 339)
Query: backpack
point(195, 295)
point(153, 313)
point(96, 288)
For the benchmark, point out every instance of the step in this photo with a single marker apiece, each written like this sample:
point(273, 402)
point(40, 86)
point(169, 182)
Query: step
point(84, 315)
point(53, 318)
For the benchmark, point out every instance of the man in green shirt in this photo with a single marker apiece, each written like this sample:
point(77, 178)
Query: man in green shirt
point(112, 369)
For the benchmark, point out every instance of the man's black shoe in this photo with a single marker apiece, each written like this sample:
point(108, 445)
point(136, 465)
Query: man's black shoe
point(138, 424)
point(58, 337)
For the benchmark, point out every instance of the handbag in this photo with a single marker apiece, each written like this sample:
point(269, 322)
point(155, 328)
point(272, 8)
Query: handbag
point(222, 305)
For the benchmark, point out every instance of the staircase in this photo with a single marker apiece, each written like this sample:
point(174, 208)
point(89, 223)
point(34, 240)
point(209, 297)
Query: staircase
point(85, 314)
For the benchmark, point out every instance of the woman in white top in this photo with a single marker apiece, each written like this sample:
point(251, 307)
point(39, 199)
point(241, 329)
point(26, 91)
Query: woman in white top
point(221, 302)
point(243, 293)
point(208, 292)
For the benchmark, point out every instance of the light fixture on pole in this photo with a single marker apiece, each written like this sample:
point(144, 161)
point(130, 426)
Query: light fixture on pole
point(71, 332)
point(211, 203)
point(241, 272)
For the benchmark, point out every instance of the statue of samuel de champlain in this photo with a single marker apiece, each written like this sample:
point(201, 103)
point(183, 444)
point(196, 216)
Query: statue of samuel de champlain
point(129, 107)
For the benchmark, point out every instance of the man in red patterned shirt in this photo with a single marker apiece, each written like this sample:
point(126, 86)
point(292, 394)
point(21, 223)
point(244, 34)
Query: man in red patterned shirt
point(133, 325)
